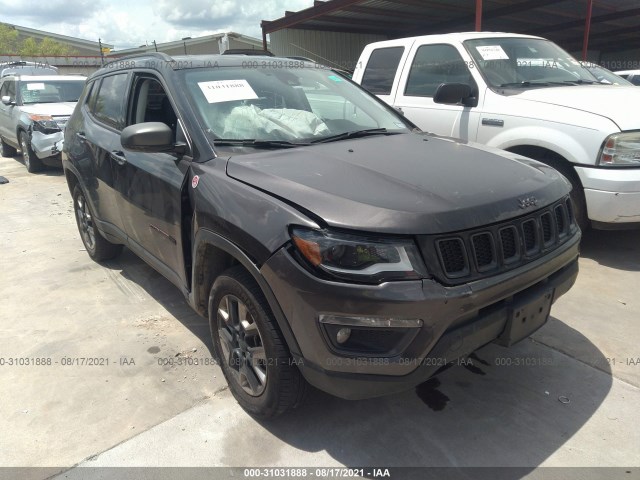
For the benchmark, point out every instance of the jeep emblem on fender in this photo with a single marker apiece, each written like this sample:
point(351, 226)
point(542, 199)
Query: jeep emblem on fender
point(528, 202)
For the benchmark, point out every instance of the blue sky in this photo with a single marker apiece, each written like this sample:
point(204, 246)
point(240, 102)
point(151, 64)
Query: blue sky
point(126, 23)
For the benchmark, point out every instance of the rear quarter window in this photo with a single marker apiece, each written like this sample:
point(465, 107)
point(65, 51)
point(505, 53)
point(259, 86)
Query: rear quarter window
point(381, 70)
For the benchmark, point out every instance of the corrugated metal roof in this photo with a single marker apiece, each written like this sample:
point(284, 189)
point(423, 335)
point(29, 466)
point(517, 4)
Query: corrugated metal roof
point(615, 23)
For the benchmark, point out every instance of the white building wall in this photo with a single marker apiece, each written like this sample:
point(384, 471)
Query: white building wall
point(334, 49)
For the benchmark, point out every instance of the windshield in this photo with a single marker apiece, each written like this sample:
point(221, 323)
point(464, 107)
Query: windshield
point(513, 62)
point(50, 91)
point(279, 104)
point(604, 75)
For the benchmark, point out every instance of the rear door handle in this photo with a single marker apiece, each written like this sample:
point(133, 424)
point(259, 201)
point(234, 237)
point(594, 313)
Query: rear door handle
point(81, 136)
point(118, 156)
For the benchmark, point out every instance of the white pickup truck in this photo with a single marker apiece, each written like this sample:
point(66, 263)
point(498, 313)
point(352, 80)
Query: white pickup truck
point(526, 95)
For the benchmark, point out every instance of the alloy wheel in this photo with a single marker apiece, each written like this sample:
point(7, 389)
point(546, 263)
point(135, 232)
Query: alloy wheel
point(85, 222)
point(242, 345)
point(25, 151)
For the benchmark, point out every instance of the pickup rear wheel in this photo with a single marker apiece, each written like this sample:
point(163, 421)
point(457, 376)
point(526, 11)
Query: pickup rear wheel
point(31, 160)
point(6, 150)
point(250, 348)
point(98, 247)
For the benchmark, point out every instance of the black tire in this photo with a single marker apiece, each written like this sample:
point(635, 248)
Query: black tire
point(98, 247)
point(31, 161)
point(577, 191)
point(6, 150)
point(283, 386)
point(579, 203)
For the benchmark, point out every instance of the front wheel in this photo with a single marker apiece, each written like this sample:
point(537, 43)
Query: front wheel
point(31, 160)
point(6, 150)
point(250, 348)
point(98, 247)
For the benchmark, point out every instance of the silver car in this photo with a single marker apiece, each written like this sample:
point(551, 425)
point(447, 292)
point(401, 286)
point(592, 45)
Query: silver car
point(33, 113)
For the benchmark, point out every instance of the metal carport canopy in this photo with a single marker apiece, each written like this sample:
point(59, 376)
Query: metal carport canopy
point(602, 25)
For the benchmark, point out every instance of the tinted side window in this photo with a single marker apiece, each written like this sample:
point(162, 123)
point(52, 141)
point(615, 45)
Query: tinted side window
point(381, 70)
point(433, 65)
point(109, 102)
point(8, 89)
point(635, 79)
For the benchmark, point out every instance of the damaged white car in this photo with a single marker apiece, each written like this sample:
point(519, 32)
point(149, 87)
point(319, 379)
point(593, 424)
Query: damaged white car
point(33, 113)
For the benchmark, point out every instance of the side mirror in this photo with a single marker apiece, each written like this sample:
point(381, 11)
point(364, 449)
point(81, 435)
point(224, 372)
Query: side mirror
point(6, 99)
point(452, 93)
point(148, 137)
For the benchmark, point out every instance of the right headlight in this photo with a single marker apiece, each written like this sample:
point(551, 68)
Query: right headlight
point(365, 259)
point(621, 150)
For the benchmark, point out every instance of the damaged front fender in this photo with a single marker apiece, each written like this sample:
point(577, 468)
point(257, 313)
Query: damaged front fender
point(47, 144)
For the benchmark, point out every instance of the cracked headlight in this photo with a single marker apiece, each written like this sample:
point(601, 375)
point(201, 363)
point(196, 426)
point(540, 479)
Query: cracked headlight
point(44, 123)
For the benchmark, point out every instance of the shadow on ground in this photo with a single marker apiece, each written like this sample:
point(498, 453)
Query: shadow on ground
point(613, 248)
point(132, 268)
point(509, 408)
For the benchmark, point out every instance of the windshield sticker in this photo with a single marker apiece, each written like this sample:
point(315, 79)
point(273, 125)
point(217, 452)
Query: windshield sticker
point(492, 52)
point(227, 90)
point(35, 86)
point(335, 78)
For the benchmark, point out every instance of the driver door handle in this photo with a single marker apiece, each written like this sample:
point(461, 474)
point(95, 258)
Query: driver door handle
point(81, 136)
point(118, 156)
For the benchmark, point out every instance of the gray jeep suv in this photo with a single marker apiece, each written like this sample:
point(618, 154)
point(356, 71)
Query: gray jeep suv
point(326, 239)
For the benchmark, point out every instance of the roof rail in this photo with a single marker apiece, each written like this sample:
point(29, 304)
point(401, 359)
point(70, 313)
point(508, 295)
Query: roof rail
point(161, 55)
point(247, 51)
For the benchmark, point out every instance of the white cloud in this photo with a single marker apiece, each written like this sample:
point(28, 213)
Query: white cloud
point(127, 24)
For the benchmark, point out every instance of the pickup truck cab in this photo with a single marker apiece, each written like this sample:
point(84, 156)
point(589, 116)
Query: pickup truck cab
point(523, 94)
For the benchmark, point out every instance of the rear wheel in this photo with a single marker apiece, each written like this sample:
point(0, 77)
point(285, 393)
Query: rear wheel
point(31, 161)
point(250, 348)
point(98, 247)
point(6, 150)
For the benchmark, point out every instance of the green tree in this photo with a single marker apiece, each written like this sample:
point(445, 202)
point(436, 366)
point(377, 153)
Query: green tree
point(29, 48)
point(8, 40)
point(49, 47)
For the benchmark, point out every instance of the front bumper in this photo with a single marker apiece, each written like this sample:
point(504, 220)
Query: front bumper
point(47, 145)
point(456, 320)
point(612, 194)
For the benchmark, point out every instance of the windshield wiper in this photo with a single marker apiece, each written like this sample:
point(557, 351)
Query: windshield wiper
point(355, 134)
point(249, 142)
point(527, 83)
point(581, 82)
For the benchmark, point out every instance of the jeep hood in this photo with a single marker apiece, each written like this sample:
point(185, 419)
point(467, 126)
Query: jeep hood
point(609, 101)
point(53, 109)
point(407, 183)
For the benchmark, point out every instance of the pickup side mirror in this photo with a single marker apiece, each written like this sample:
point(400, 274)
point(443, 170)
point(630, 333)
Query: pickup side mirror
point(150, 137)
point(452, 93)
point(6, 99)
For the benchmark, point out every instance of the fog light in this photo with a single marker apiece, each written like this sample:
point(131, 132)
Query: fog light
point(343, 335)
point(369, 336)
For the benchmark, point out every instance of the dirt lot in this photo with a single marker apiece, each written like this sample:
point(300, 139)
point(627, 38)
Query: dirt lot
point(146, 393)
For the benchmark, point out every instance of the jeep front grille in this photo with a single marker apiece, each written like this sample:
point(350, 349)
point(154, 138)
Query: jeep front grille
point(473, 254)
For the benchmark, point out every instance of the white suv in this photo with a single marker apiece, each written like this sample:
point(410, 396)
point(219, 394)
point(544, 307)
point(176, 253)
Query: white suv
point(523, 94)
point(33, 114)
